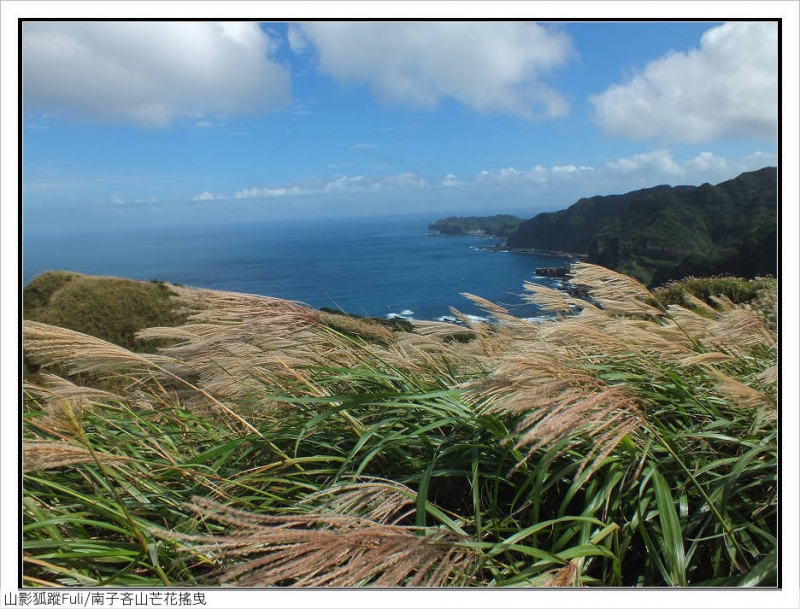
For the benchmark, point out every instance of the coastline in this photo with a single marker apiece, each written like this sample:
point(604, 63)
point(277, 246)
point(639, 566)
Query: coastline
point(502, 247)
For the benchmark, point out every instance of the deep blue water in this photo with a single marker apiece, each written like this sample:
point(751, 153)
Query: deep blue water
point(368, 266)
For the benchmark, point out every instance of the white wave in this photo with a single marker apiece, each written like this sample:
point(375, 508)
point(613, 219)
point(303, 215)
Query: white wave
point(476, 318)
point(406, 312)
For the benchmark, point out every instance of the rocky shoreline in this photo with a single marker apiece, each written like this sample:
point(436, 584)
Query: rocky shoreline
point(502, 247)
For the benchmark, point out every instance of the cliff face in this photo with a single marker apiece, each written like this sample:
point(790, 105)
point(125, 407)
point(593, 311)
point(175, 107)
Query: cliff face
point(663, 233)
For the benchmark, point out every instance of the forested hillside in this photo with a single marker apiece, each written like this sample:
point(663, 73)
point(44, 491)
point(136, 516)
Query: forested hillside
point(500, 225)
point(665, 232)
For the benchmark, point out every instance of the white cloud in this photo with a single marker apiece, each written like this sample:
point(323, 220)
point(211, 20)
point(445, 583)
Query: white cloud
point(451, 180)
point(206, 196)
point(252, 193)
point(150, 73)
point(728, 87)
point(297, 42)
point(342, 183)
point(408, 180)
point(656, 162)
point(489, 66)
point(115, 199)
point(570, 168)
point(659, 167)
point(535, 175)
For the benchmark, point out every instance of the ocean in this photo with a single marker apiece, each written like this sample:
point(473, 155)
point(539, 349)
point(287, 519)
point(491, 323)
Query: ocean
point(380, 267)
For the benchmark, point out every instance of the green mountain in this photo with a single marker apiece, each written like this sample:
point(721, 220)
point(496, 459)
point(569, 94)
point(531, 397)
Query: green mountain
point(662, 233)
point(499, 225)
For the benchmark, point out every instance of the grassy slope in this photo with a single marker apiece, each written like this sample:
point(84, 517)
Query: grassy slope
point(625, 446)
point(110, 308)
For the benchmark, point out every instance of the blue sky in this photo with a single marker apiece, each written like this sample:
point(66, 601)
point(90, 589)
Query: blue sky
point(144, 122)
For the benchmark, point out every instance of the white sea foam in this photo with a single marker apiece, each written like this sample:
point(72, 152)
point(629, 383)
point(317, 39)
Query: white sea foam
point(406, 312)
point(476, 318)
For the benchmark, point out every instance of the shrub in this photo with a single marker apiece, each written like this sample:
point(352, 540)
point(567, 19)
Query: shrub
point(736, 289)
point(107, 307)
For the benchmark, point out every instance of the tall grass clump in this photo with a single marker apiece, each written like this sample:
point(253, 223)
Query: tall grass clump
point(620, 443)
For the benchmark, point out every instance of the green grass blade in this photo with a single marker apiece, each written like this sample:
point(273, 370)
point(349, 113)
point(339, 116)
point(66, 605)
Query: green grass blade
point(671, 531)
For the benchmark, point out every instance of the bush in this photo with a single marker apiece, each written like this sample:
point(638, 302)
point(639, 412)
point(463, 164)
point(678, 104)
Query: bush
point(106, 307)
point(736, 289)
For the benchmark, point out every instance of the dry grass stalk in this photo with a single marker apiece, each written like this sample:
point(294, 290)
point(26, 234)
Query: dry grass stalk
point(723, 302)
point(582, 334)
point(742, 395)
point(689, 322)
point(693, 301)
point(327, 550)
point(380, 501)
point(555, 301)
point(741, 327)
point(707, 359)
point(556, 403)
point(45, 344)
point(442, 330)
point(493, 309)
point(62, 418)
point(661, 341)
point(83, 353)
point(57, 388)
point(769, 376)
point(565, 577)
point(45, 454)
point(616, 293)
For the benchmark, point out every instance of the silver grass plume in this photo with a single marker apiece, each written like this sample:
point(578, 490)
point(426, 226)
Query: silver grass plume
point(310, 550)
point(80, 352)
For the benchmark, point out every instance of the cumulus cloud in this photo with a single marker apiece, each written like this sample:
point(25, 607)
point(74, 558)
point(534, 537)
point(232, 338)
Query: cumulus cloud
point(660, 167)
point(656, 162)
point(488, 66)
point(728, 87)
point(150, 73)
